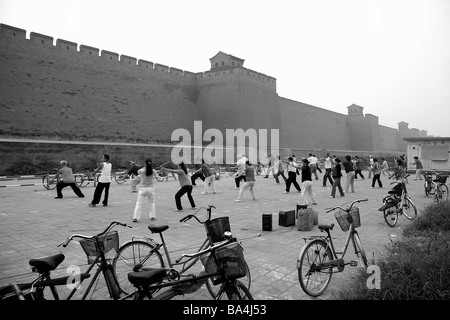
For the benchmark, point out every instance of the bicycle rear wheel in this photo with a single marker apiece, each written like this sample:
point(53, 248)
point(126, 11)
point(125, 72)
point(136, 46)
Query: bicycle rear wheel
point(234, 290)
point(359, 250)
point(312, 277)
point(409, 209)
point(120, 178)
point(135, 256)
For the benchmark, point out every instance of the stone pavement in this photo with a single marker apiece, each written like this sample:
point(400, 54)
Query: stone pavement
point(34, 223)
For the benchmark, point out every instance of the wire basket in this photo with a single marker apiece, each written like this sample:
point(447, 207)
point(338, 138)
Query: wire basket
point(215, 228)
point(441, 179)
point(231, 257)
point(342, 218)
point(110, 243)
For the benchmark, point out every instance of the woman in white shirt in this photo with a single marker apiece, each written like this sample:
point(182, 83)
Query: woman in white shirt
point(104, 181)
point(146, 191)
point(292, 175)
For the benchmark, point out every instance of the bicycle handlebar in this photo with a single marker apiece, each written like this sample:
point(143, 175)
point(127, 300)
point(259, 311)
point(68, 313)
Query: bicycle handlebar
point(348, 209)
point(111, 225)
point(190, 216)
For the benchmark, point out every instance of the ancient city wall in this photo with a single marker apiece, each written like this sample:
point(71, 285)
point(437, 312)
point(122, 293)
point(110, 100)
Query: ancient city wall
point(58, 92)
point(307, 127)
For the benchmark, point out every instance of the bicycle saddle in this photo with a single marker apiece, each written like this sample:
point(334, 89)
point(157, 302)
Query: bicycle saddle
point(46, 264)
point(158, 229)
point(146, 278)
point(326, 226)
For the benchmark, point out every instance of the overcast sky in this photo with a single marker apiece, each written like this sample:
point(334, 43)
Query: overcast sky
point(391, 57)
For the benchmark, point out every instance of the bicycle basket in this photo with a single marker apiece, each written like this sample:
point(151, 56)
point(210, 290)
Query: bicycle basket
point(110, 244)
point(231, 257)
point(215, 228)
point(342, 218)
point(441, 179)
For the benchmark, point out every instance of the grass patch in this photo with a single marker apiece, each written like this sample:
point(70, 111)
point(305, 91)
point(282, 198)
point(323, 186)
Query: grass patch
point(417, 267)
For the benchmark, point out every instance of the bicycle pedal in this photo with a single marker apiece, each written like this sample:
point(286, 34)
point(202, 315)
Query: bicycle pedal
point(353, 263)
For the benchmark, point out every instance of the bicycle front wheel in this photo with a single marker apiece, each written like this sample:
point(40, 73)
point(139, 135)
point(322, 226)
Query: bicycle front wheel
point(112, 284)
point(49, 182)
point(215, 289)
point(312, 277)
point(79, 181)
point(442, 192)
point(234, 290)
point(391, 216)
point(409, 209)
point(135, 256)
point(359, 250)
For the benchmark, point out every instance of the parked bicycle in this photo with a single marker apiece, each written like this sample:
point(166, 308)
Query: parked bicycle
point(224, 264)
point(85, 177)
point(161, 174)
point(97, 249)
point(318, 259)
point(122, 176)
point(143, 253)
point(437, 186)
point(50, 180)
point(398, 203)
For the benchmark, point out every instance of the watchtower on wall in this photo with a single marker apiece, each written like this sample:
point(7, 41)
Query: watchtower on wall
point(223, 60)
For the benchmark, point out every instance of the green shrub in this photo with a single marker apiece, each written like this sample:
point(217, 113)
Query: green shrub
point(417, 267)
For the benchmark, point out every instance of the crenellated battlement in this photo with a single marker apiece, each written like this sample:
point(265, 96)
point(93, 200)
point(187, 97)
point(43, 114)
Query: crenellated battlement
point(7, 31)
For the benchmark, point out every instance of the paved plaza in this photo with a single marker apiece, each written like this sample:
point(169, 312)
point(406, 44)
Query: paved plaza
point(34, 223)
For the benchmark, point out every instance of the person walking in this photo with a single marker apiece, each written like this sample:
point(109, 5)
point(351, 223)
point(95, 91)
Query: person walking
point(376, 173)
point(249, 183)
point(104, 182)
point(384, 167)
point(337, 174)
point(240, 173)
point(146, 191)
point(209, 177)
point(328, 166)
point(279, 165)
point(292, 175)
point(185, 184)
point(419, 168)
point(66, 180)
point(307, 183)
point(348, 167)
point(313, 165)
point(358, 168)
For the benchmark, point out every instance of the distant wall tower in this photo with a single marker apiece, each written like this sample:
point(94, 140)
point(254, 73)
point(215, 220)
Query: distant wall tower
point(223, 60)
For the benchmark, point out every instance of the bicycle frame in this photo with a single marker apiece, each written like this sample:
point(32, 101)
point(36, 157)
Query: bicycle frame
point(196, 280)
point(338, 257)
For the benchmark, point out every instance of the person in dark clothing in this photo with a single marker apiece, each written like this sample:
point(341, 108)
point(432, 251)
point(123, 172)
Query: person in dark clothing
point(197, 174)
point(337, 174)
point(292, 175)
point(358, 168)
point(348, 167)
point(186, 187)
